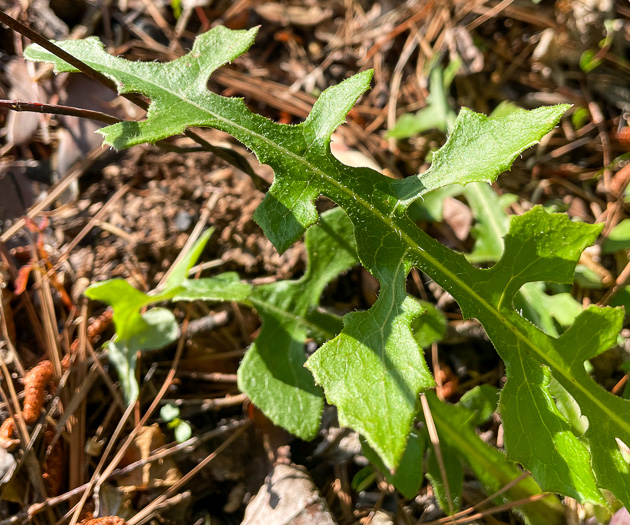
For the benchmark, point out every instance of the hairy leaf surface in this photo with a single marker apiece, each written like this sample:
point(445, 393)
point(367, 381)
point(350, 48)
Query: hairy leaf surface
point(380, 360)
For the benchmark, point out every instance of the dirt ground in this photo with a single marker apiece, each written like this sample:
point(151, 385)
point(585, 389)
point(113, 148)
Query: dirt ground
point(128, 214)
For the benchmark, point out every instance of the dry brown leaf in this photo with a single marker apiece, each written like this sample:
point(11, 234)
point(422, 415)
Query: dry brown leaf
point(160, 473)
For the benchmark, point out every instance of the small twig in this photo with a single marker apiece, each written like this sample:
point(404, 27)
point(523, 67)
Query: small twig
point(621, 280)
point(34, 36)
point(54, 192)
point(435, 441)
point(229, 156)
point(26, 515)
point(53, 109)
point(488, 512)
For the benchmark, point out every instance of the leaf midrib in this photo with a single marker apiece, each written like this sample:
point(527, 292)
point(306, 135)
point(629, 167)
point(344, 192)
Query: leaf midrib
point(296, 318)
point(385, 219)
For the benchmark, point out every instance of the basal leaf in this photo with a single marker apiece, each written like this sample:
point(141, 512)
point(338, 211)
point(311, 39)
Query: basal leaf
point(374, 369)
point(272, 373)
point(549, 312)
point(430, 327)
point(436, 115)
point(619, 238)
point(180, 271)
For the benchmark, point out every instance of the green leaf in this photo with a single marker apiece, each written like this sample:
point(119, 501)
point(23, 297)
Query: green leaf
point(454, 471)
point(482, 402)
point(489, 465)
point(272, 373)
point(618, 239)
point(408, 477)
point(169, 412)
point(177, 89)
point(547, 311)
point(430, 327)
point(588, 278)
point(504, 108)
point(135, 331)
point(363, 479)
point(480, 148)
point(124, 360)
point(374, 369)
point(431, 206)
point(180, 271)
point(492, 222)
point(183, 431)
point(224, 287)
point(159, 329)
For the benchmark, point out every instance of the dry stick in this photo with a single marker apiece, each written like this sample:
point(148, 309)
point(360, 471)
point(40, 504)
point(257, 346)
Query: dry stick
point(96, 359)
point(490, 13)
point(141, 517)
point(49, 321)
point(55, 109)
point(7, 338)
point(435, 361)
point(621, 280)
point(489, 499)
point(397, 30)
point(229, 156)
point(22, 430)
point(75, 402)
point(488, 512)
point(435, 441)
point(99, 480)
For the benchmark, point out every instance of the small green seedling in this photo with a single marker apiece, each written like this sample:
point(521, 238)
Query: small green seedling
point(170, 414)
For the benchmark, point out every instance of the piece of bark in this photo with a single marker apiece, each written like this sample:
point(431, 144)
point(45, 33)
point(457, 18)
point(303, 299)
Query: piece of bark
point(288, 497)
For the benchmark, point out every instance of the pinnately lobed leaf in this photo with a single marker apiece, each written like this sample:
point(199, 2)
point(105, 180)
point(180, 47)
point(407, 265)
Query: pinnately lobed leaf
point(374, 370)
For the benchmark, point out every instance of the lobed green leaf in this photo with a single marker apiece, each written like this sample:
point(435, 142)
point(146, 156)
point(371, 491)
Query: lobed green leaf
point(380, 367)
